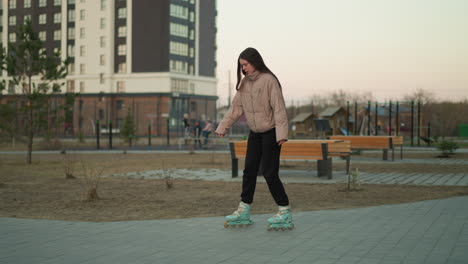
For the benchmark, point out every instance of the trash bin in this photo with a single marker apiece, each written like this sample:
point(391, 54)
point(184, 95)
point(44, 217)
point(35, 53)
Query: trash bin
point(463, 130)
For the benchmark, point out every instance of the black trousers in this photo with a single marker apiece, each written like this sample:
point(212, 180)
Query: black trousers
point(262, 147)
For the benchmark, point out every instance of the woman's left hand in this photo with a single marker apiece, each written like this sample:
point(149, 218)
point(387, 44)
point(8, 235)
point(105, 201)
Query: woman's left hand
point(281, 142)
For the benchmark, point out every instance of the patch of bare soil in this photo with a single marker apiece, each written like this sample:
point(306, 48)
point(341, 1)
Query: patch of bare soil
point(42, 191)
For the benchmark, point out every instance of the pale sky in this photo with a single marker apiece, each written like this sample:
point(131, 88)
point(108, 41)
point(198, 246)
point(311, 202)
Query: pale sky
point(315, 47)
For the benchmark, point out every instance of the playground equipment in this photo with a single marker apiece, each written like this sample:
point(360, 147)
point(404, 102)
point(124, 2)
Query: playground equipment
point(393, 113)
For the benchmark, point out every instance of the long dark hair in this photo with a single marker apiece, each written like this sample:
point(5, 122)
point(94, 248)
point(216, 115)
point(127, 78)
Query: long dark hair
point(253, 57)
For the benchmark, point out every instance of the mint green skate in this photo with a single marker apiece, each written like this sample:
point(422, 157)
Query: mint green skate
point(282, 220)
point(240, 218)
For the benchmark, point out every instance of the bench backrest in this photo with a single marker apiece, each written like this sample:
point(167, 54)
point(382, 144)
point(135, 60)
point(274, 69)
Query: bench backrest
point(335, 147)
point(397, 140)
point(289, 150)
point(371, 142)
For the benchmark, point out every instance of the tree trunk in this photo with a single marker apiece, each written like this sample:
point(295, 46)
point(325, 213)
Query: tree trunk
point(30, 134)
point(30, 143)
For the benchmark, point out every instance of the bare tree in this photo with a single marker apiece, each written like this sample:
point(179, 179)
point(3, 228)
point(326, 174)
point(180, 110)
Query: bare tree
point(26, 59)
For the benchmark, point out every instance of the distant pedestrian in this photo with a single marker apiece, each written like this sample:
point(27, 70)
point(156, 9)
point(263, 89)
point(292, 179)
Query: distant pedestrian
point(207, 129)
point(197, 131)
point(186, 126)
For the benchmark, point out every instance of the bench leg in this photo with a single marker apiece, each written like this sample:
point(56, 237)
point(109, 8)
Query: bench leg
point(324, 168)
point(235, 168)
point(348, 161)
point(393, 154)
point(401, 152)
point(385, 154)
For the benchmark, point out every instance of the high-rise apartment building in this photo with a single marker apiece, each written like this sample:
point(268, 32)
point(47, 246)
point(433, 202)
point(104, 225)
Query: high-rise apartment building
point(155, 58)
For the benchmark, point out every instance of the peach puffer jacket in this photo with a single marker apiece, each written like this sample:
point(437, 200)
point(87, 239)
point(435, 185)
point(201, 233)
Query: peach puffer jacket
point(261, 100)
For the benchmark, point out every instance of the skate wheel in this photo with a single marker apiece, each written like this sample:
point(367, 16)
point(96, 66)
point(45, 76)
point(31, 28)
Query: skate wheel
point(226, 224)
point(269, 228)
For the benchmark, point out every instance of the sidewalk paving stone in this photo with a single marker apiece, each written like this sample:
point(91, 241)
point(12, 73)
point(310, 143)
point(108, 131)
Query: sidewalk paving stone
point(433, 231)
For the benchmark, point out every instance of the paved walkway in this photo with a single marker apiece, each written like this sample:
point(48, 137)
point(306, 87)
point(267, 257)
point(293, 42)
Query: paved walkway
point(422, 232)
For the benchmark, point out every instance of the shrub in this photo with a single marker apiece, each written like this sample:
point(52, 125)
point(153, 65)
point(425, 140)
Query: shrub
point(447, 147)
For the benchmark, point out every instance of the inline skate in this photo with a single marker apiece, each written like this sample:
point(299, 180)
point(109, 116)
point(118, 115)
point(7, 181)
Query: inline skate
point(240, 217)
point(282, 220)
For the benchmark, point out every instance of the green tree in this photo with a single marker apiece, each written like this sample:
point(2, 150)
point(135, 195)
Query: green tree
point(128, 130)
point(38, 75)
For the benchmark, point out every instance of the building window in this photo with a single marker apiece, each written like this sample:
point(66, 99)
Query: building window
point(26, 18)
point(192, 16)
point(102, 42)
point(57, 18)
point(71, 67)
point(120, 104)
point(179, 85)
point(179, 30)
point(42, 19)
point(120, 86)
point(192, 52)
point(192, 34)
point(178, 48)
point(57, 2)
point(103, 5)
point(102, 60)
point(103, 23)
point(57, 34)
point(12, 20)
point(43, 35)
point(12, 37)
point(71, 33)
point(122, 12)
point(11, 87)
point(178, 66)
point(42, 3)
point(82, 50)
point(71, 51)
point(122, 31)
point(82, 14)
point(179, 11)
point(122, 68)
point(122, 50)
point(12, 4)
point(82, 68)
point(82, 87)
point(70, 86)
point(71, 2)
point(101, 78)
point(71, 15)
point(27, 3)
point(82, 33)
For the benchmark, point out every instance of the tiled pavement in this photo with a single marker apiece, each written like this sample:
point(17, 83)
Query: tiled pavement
point(422, 232)
point(310, 176)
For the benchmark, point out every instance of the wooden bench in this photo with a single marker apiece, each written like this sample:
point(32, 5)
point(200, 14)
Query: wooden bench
point(384, 143)
point(292, 150)
point(336, 148)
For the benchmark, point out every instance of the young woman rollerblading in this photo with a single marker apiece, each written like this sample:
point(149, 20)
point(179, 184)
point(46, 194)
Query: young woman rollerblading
point(260, 99)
